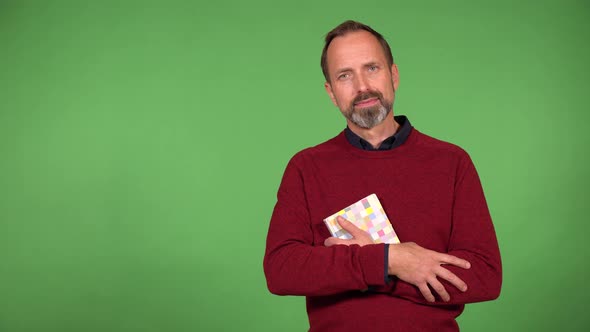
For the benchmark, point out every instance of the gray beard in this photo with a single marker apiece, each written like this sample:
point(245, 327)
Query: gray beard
point(368, 118)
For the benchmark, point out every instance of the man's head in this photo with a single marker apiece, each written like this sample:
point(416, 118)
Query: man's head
point(361, 77)
point(345, 28)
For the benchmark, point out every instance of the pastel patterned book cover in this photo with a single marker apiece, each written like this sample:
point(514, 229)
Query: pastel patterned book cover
point(368, 215)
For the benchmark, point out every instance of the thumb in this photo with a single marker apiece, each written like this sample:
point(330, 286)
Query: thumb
point(349, 227)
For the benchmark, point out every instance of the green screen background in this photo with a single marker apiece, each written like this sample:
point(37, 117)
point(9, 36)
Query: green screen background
point(142, 144)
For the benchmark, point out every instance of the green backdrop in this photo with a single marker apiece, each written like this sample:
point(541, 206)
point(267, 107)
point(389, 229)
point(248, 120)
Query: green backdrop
point(142, 144)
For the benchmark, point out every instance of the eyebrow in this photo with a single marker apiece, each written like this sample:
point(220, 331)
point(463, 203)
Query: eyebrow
point(368, 64)
point(372, 63)
point(343, 70)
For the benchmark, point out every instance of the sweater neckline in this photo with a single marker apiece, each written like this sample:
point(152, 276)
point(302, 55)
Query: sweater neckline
point(381, 154)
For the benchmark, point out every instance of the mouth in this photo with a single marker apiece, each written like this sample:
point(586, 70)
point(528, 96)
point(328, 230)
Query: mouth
point(367, 102)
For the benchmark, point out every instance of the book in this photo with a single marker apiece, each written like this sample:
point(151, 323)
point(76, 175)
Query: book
point(368, 215)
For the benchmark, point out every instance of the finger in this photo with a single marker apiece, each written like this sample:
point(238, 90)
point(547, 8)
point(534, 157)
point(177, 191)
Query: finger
point(454, 260)
point(349, 227)
point(452, 278)
point(332, 241)
point(426, 292)
point(439, 289)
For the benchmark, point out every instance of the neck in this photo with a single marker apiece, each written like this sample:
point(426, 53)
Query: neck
point(376, 135)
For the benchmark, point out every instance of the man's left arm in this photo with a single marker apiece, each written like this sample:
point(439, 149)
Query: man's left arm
point(470, 270)
point(473, 239)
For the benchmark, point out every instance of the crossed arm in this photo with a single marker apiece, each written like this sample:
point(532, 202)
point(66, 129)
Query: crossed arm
point(470, 271)
point(411, 263)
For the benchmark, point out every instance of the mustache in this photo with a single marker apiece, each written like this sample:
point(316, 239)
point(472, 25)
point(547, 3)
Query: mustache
point(366, 95)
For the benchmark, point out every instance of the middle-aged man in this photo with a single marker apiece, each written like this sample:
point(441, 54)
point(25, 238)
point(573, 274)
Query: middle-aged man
point(429, 189)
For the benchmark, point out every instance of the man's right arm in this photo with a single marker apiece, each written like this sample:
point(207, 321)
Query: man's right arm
point(294, 266)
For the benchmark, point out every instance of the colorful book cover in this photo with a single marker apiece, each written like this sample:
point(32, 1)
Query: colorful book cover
point(368, 215)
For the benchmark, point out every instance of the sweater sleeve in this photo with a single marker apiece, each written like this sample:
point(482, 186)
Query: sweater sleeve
point(293, 265)
point(472, 238)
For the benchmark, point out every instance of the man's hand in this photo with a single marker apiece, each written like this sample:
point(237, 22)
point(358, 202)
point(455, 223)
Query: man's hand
point(422, 268)
point(359, 236)
point(410, 262)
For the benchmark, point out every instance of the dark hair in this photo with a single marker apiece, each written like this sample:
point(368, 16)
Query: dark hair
point(343, 29)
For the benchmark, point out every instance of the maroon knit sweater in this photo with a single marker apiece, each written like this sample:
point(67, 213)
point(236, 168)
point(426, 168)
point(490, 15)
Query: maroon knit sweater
point(430, 191)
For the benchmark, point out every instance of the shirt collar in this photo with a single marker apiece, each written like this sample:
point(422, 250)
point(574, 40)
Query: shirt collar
point(389, 143)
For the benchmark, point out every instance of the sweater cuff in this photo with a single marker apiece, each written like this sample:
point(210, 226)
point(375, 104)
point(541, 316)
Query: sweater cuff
point(371, 259)
point(386, 261)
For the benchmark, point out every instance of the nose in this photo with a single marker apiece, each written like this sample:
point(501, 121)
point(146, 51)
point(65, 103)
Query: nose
point(361, 83)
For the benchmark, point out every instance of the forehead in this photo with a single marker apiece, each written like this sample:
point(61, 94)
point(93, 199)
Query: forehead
point(354, 48)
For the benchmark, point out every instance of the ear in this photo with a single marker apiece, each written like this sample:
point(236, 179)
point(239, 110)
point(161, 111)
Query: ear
point(328, 88)
point(394, 76)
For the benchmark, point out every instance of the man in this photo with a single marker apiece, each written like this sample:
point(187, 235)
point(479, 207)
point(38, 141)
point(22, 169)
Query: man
point(429, 189)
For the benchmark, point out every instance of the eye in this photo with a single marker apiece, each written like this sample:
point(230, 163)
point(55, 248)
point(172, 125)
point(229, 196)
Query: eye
point(373, 68)
point(343, 76)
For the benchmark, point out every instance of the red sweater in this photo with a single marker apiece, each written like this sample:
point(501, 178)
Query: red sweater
point(430, 191)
